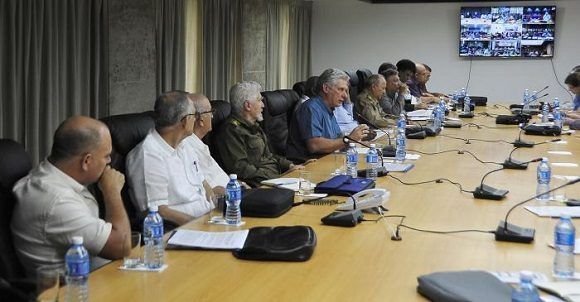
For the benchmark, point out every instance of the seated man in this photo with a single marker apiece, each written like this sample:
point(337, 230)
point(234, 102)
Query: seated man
point(407, 69)
point(417, 82)
point(54, 204)
point(393, 101)
point(244, 149)
point(314, 130)
point(573, 117)
point(422, 83)
point(368, 102)
point(345, 117)
point(163, 170)
point(212, 172)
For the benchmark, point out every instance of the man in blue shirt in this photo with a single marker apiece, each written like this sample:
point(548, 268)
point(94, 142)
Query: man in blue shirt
point(314, 130)
point(344, 117)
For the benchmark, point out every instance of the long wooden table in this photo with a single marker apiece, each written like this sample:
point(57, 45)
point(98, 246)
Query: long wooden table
point(363, 263)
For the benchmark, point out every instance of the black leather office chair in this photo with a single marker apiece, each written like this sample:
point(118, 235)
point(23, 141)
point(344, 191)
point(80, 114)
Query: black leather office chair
point(363, 74)
point(127, 131)
point(222, 111)
point(300, 88)
point(14, 164)
point(278, 110)
point(355, 85)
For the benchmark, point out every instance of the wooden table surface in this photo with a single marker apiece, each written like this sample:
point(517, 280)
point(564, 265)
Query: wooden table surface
point(363, 263)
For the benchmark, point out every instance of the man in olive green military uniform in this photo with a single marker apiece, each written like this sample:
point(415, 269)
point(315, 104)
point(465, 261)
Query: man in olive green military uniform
point(244, 149)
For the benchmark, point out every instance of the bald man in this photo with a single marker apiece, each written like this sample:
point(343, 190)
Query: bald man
point(53, 203)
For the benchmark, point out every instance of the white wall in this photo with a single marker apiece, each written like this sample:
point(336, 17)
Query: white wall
point(351, 34)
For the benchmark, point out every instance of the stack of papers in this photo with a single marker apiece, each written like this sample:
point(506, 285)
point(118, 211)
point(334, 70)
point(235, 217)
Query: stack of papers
point(553, 211)
point(286, 183)
point(419, 115)
point(208, 240)
point(567, 290)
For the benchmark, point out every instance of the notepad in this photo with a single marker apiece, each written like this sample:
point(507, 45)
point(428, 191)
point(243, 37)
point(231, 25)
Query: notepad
point(393, 167)
point(208, 240)
point(289, 183)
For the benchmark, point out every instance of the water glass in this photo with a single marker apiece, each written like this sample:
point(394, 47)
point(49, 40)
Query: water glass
point(132, 257)
point(47, 283)
point(305, 186)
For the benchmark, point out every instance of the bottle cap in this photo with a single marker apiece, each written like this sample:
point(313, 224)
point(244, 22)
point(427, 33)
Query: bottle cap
point(526, 276)
point(351, 144)
point(78, 240)
point(565, 216)
point(373, 145)
point(153, 208)
point(233, 176)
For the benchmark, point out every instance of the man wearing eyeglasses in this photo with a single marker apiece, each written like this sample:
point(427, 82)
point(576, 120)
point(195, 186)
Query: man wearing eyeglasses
point(244, 148)
point(212, 172)
point(163, 170)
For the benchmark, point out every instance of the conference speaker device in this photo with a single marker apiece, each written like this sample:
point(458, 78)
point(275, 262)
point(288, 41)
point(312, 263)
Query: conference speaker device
point(487, 192)
point(512, 233)
point(542, 129)
point(466, 114)
point(389, 151)
point(343, 219)
point(523, 144)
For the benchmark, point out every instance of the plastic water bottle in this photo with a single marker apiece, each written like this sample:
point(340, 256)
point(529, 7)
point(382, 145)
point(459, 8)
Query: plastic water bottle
point(556, 104)
point(153, 239)
point(77, 271)
point(442, 108)
point(351, 160)
point(557, 118)
point(401, 140)
point(544, 173)
point(467, 104)
point(564, 240)
point(545, 113)
point(526, 99)
point(436, 116)
point(372, 162)
point(455, 99)
point(526, 291)
point(234, 198)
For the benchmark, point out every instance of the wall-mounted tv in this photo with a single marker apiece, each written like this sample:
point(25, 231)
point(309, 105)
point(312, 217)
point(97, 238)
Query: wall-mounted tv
point(507, 31)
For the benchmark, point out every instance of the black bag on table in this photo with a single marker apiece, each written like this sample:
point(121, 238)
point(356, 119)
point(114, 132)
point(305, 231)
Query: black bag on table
point(266, 202)
point(282, 243)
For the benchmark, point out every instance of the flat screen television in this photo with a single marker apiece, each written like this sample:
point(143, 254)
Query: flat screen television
point(507, 31)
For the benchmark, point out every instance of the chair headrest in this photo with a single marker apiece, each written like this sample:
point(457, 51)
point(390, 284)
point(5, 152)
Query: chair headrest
point(128, 130)
point(279, 101)
point(15, 163)
point(354, 80)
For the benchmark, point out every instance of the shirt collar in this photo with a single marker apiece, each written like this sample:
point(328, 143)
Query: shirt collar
point(322, 104)
point(47, 167)
point(165, 147)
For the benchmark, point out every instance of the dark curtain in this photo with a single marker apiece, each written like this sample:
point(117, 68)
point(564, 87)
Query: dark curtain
point(170, 44)
point(222, 66)
point(53, 64)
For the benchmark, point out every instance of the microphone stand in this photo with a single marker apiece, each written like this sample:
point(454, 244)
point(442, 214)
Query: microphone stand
point(518, 143)
point(388, 151)
point(512, 233)
point(487, 192)
point(344, 218)
point(380, 172)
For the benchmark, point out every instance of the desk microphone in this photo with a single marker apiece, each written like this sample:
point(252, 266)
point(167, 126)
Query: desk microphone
point(380, 171)
point(512, 233)
point(388, 151)
point(519, 143)
point(487, 192)
point(511, 163)
point(344, 218)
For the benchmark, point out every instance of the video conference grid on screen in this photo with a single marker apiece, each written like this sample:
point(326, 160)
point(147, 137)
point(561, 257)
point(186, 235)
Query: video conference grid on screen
point(507, 31)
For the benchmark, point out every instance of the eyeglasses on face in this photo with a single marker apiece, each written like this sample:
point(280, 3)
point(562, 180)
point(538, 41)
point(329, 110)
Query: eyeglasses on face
point(212, 112)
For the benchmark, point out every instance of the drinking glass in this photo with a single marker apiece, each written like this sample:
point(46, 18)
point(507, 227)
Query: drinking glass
point(47, 283)
point(132, 257)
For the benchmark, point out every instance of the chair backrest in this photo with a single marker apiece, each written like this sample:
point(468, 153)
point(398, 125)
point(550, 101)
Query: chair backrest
point(222, 110)
point(278, 110)
point(363, 74)
point(15, 163)
point(355, 85)
point(127, 131)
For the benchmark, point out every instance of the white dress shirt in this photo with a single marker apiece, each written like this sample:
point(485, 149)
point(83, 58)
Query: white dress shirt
point(53, 207)
point(158, 175)
point(212, 172)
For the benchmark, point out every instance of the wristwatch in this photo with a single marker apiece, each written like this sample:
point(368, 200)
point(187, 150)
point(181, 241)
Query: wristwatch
point(345, 140)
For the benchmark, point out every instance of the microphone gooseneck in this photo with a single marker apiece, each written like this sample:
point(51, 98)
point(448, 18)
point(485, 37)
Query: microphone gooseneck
point(374, 126)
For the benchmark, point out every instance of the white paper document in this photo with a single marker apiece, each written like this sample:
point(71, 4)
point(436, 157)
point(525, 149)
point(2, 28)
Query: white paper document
point(209, 240)
point(514, 277)
point(290, 183)
point(566, 165)
point(568, 290)
point(419, 115)
point(408, 156)
point(553, 211)
point(560, 152)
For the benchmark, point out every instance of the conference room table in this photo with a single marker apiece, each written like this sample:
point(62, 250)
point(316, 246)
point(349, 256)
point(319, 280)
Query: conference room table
point(362, 263)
